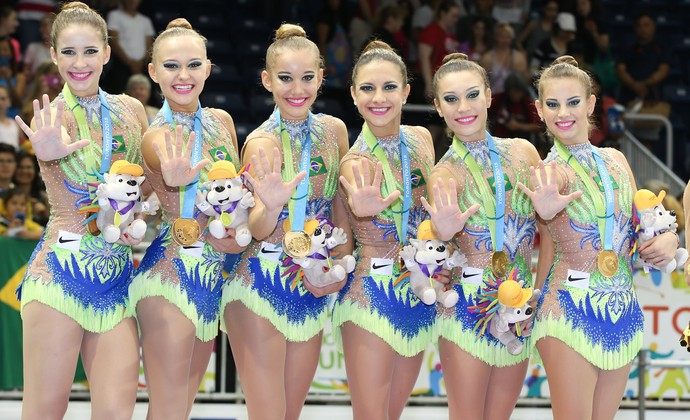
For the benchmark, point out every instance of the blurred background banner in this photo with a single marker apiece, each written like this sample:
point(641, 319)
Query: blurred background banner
point(14, 255)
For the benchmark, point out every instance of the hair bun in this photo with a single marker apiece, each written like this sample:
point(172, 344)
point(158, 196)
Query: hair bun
point(289, 30)
point(179, 23)
point(566, 59)
point(75, 5)
point(454, 57)
point(377, 44)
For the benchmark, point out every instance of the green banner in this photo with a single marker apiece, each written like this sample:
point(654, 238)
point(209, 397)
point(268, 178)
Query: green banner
point(14, 254)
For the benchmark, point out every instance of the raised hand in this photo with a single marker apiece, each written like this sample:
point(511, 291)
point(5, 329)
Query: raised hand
point(47, 140)
point(445, 213)
point(268, 184)
point(546, 197)
point(364, 197)
point(176, 166)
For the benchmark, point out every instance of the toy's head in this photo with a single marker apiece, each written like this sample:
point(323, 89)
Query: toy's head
point(652, 212)
point(124, 181)
point(224, 184)
point(513, 299)
point(430, 250)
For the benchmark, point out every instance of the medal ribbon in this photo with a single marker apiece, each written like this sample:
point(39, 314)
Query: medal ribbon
point(83, 124)
point(400, 210)
point(188, 192)
point(230, 209)
point(495, 204)
point(297, 206)
point(602, 205)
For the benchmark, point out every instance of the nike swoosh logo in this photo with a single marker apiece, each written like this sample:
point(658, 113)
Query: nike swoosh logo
point(266, 251)
point(465, 275)
point(191, 246)
point(64, 241)
point(570, 278)
point(376, 266)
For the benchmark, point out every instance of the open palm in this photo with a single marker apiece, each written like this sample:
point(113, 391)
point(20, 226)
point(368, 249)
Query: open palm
point(47, 141)
point(176, 166)
point(268, 182)
point(364, 197)
point(546, 197)
point(446, 215)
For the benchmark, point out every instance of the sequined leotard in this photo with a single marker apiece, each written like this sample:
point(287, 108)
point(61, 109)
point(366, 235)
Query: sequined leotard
point(599, 318)
point(188, 277)
point(264, 281)
point(457, 324)
point(371, 299)
point(78, 274)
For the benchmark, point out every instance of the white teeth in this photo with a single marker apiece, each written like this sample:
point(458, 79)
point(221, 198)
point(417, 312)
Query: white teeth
point(465, 119)
point(80, 75)
point(183, 87)
point(297, 101)
point(379, 109)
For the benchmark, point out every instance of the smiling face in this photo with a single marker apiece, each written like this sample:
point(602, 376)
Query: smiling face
point(15, 205)
point(26, 172)
point(379, 92)
point(565, 107)
point(80, 55)
point(462, 99)
point(294, 78)
point(180, 68)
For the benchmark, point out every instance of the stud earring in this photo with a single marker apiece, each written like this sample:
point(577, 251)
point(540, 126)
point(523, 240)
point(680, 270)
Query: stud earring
point(355, 103)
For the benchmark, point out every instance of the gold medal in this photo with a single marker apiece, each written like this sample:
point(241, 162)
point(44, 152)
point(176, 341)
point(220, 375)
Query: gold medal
point(297, 244)
point(186, 231)
point(226, 219)
point(117, 219)
point(499, 264)
point(607, 263)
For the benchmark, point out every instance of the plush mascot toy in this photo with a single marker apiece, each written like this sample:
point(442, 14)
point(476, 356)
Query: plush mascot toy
point(319, 267)
point(653, 219)
point(514, 306)
point(119, 200)
point(685, 337)
point(502, 304)
point(426, 256)
point(226, 199)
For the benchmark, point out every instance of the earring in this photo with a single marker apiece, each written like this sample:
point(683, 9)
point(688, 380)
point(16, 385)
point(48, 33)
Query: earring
point(404, 101)
point(354, 102)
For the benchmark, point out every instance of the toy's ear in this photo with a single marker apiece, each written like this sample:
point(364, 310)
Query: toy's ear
point(107, 177)
point(415, 243)
point(207, 184)
point(140, 179)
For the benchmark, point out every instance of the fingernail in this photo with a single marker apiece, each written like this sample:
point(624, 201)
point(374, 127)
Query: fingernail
point(435, 276)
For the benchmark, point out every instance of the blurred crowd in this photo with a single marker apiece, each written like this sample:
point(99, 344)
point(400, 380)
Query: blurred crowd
point(511, 39)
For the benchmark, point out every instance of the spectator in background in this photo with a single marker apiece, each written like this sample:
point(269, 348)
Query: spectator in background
point(30, 13)
point(14, 219)
point(557, 45)
point(503, 60)
point(538, 30)
point(38, 52)
point(607, 117)
point(644, 64)
point(514, 12)
point(131, 40)
point(9, 131)
point(422, 17)
point(479, 42)
point(362, 24)
point(478, 8)
point(47, 81)
point(139, 87)
point(8, 164)
point(334, 44)
point(27, 179)
point(512, 112)
point(389, 22)
point(591, 29)
point(11, 77)
point(8, 25)
point(436, 41)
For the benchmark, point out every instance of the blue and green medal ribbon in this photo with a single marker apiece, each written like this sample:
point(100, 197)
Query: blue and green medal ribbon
point(83, 124)
point(297, 206)
point(401, 206)
point(607, 261)
point(495, 203)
